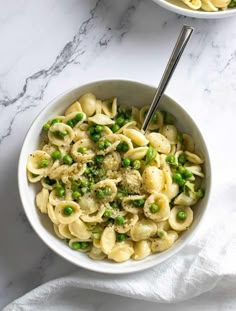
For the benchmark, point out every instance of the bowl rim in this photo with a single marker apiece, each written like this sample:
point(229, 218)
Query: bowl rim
point(195, 13)
point(121, 270)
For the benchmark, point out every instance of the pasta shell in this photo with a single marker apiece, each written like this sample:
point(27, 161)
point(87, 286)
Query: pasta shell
point(112, 161)
point(153, 125)
point(171, 189)
point(42, 200)
point(164, 208)
point(143, 230)
point(79, 229)
point(49, 148)
point(191, 157)
point(159, 142)
point(72, 115)
point(101, 119)
point(75, 107)
point(220, 3)
point(96, 254)
point(110, 107)
point(142, 249)
point(89, 153)
point(98, 106)
point(32, 178)
point(196, 170)
point(107, 183)
point(180, 225)
point(67, 219)
point(88, 103)
point(113, 139)
point(33, 163)
point(54, 199)
point(153, 179)
point(170, 132)
point(130, 124)
point(55, 227)
point(60, 127)
point(64, 231)
point(193, 4)
point(94, 218)
point(160, 245)
point(108, 240)
point(136, 153)
point(183, 199)
point(132, 180)
point(129, 207)
point(130, 221)
point(208, 6)
point(135, 114)
point(84, 250)
point(88, 204)
point(51, 214)
point(121, 252)
point(163, 225)
point(136, 136)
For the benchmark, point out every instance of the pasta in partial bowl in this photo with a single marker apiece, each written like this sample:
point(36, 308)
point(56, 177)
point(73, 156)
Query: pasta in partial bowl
point(103, 194)
point(208, 9)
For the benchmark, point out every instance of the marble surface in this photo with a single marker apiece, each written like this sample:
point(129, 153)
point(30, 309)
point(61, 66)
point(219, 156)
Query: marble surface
point(49, 46)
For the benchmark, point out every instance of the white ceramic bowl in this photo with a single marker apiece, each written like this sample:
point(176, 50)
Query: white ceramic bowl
point(127, 92)
point(180, 8)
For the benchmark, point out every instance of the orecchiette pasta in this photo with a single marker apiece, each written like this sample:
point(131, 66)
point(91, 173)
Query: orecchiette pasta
point(110, 190)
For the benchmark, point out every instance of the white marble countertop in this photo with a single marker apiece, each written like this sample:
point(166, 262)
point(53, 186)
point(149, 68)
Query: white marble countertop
point(49, 46)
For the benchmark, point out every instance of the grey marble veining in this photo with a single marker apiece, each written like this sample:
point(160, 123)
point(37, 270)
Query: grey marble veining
point(50, 46)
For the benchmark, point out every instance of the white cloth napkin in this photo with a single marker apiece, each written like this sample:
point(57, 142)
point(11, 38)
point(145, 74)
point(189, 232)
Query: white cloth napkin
point(207, 264)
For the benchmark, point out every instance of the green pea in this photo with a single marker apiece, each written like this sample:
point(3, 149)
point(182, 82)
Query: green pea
point(56, 155)
point(120, 120)
point(120, 237)
point(136, 164)
point(60, 192)
point(170, 159)
point(181, 215)
point(182, 159)
point(96, 137)
point(46, 126)
point(91, 130)
point(79, 116)
point(70, 123)
point(99, 128)
point(99, 158)
point(107, 191)
point(100, 194)
point(67, 160)
point(187, 174)
point(84, 245)
point(125, 147)
point(115, 128)
point(177, 178)
point(107, 143)
point(43, 163)
point(107, 214)
point(101, 145)
point(84, 183)
point(126, 121)
point(68, 210)
point(87, 171)
point(154, 208)
point(76, 245)
point(76, 195)
point(181, 169)
point(55, 121)
point(232, 4)
point(82, 150)
point(114, 205)
point(120, 220)
point(126, 162)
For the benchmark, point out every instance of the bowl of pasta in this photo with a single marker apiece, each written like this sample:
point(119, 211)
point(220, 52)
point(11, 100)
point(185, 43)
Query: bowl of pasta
point(103, 194)
point(208, 9)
